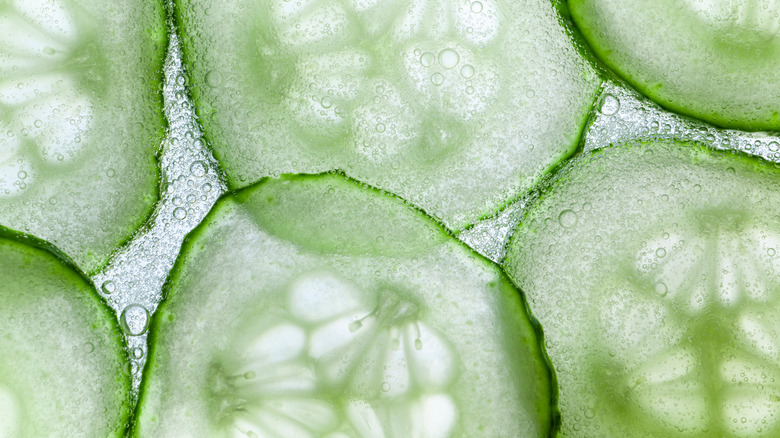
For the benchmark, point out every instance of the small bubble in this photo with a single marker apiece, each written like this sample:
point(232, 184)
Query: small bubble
point(134, 320)
point(180, 213)
point(207, 187)
point(696, 188)
point(467, 71)
point(427, 59)
point(110, 173)
point(138, 352)
point(437, 79)
point(568, 219)
point(448, 58)
point(108, 287)
point(88, 347)
point(476, 7)
point(22, 174)
point(661, 289)
point(771, 252)
point(213, 79)
point(380, 127)
point(660, 253)
point(609, 105)
point(198, 169)
point(590, 413)
point(774, 146)
point(38, 123)
point(385, 386)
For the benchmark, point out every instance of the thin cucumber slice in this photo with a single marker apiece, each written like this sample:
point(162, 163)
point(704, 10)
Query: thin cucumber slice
point(653, 268)
point(714, 59)
point(80, 120)
point(61, 367)
point(312, 306)
point(456, 106)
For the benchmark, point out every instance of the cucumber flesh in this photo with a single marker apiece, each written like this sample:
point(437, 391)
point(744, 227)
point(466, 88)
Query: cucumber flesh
point(80, 120)
point(715, 60)
point(270, 333)
point(61, 370)
point(455, 106)
point(653, 268)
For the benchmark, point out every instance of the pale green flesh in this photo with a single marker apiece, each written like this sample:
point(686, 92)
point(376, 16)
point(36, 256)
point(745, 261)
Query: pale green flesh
point(265, 336)
point(456, 105)
point(653, 269)
point(61, 367)
point(711, 59)
point(80, 120)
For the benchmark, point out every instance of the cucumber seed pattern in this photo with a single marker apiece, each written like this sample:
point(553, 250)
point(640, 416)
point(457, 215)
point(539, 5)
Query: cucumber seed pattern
point(80, 121)
point(419, 97)
point(386, 372)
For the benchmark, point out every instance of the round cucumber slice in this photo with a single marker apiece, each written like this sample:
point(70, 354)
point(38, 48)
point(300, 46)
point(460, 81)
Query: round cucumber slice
point(80, 120)
point(61, 367)
point(714, 59)
point(312, 306)
point(653, 268)
point(456, 106)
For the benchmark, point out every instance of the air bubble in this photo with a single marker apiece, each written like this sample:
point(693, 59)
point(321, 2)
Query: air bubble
point(108, 287)
point(660, 253)
point(437, 79)
point(88, 347)
point(385, 387)
point(110, 173)
point(476, 7)
point(134, 320)
point(198, 169)
point(22, 174)
point(448, 58)
point(138, 352)
point(467, 71)
point(427, 59)
point(213, 79)
point(180, 213)
point(661, 289)
point(38, 123)
point(568, 219)
point(326, 102)
point(380, 127)
point(609, 105)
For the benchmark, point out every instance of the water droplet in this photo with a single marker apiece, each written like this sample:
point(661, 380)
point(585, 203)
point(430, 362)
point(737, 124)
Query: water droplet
point(355, 326)
point(88, 347)
point(198, 168)
point(661, 289)
point(213, 79)
point(467, 71)
point(660, 252)
point(134, 320)
point(326, 102)
point(774, 146)
point(448, 58)
point(568, 219)
point(437, 79)
point(385, 386)
point(609, 105)
point(476, 7)
point(427, 59)
point(108, 287)
point(180, 213)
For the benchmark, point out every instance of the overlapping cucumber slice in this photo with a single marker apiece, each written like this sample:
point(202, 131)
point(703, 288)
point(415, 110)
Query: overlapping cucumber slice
point(61, 361)
point(653, 268)
point(457, 106)
point(711, 59)
point(80, 120)
point(313, 306)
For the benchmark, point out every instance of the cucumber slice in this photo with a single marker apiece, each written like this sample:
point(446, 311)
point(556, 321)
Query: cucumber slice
point(61, 367)
point(312, 306)
point(80, 120)
point(715, 59)
point(653, 268)
point(456, 106)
